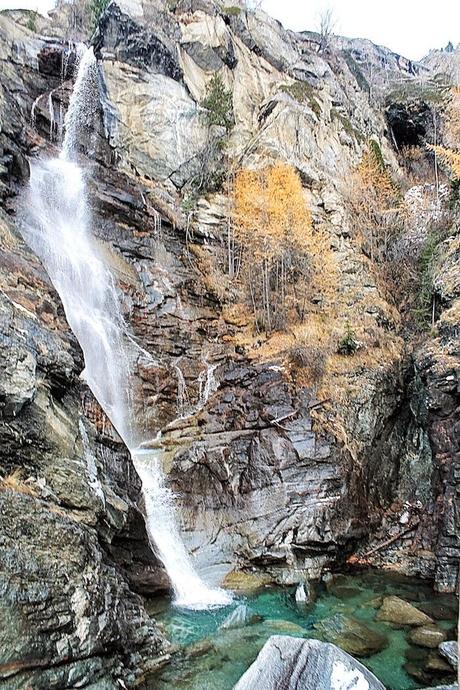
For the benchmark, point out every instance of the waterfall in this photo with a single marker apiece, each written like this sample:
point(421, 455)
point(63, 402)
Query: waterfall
point(57, 226)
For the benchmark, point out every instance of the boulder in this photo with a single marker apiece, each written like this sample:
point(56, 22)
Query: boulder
point(400, 612)
point(294, 664)
point(199, 648)
point(239, 618)
point(436, 664)
point(351, 635)
point(304, 595)
point(449, 650)
point(278, 625)
point(241, 581)
point(427, 636)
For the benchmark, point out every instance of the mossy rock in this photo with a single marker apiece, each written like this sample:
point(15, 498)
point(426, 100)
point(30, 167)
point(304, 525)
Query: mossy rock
point(399, 612)
point(241, 581)
point(351, 635)
point(429, 636)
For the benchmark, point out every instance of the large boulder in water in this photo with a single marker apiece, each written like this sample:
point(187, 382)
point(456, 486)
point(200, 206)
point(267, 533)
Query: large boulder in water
point(400, 612)
point(295, 664)
point(427, 636)
point(351, 635)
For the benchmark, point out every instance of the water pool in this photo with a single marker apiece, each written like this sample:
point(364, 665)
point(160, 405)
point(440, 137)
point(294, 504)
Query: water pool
point(212, 658)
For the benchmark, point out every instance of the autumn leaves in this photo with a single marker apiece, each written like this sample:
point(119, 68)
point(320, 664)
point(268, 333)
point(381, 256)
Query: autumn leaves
point(285, 261)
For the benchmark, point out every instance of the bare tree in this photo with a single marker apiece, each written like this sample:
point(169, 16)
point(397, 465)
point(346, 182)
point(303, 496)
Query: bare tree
point(327, 24)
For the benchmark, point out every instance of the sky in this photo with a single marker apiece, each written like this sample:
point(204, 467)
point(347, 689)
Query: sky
point(409, 27)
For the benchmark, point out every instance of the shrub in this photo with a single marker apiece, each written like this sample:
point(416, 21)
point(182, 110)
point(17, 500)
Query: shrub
point(96, 9)
point(218, 103)
point(303, 92)
point(349, 344)
point(32, 21)
point(232, 11)
point(310, 357)
point(15, 482)
point(427, 262)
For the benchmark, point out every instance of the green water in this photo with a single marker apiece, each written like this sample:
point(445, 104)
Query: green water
point(213, 659)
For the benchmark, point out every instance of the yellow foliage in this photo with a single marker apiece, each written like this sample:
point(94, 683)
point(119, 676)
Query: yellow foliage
point(452, 113)
point(15, 482)
point(450, 158)
point(283, 254)
point(374, 175)
point(450, 155)
point(372, 199)
point(270, 209)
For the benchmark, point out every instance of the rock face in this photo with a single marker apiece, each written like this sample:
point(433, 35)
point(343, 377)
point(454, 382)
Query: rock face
point(269, 477)
point(288, 662)
point(73, 540)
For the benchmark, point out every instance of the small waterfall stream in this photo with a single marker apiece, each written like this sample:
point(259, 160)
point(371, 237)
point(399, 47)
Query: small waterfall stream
point(58, 228)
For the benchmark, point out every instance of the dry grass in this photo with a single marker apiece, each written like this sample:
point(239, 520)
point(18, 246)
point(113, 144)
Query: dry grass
point(216, 282)
point(15, 482)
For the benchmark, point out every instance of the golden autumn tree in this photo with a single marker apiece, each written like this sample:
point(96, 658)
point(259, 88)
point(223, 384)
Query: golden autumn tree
point(282, 255)
point(450, 154)
point(372, 199)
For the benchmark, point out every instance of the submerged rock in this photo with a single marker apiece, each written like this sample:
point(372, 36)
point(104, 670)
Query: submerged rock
point(449, 650)
point(294, 664)
point(435, 664)
point(199, 648)
point(341, 587)
point(286, 627)
point(400, 612)
point(351, 635)
point(427, 636)
point(238, 618)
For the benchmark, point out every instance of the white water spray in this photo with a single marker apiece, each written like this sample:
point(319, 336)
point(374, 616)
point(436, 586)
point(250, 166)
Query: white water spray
point(58, 228)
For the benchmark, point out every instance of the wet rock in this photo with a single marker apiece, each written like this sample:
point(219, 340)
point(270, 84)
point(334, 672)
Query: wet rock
point(341, 587)
point(304, 595)
point(400, 612)
point(427, 636)
point(285, 627)
point(291, 663)
point(240, 581)
point(351, 635)
point(239, 618)
point(199, 648)
point(435, 664)
point(449, 650)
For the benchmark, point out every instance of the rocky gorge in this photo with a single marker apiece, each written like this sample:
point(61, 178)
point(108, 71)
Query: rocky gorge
point(278, 476)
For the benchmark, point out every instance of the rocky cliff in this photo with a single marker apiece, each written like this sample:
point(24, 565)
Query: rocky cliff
point(273, 472)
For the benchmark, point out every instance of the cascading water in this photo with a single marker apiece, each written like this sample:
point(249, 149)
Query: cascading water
point(58, 229)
